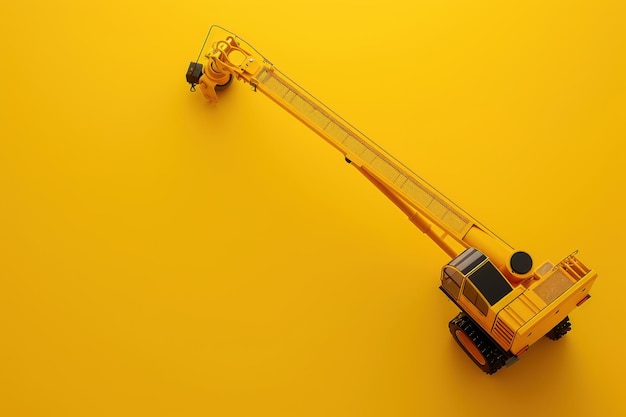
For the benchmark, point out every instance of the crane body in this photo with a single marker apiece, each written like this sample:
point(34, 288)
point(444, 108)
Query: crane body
point(507, 302)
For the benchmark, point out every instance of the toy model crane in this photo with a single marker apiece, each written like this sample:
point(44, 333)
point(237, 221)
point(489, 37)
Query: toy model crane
point(507, 302)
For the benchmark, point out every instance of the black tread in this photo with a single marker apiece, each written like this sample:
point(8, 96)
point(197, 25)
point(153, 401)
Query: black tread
point(560, 329)
point(494, 355)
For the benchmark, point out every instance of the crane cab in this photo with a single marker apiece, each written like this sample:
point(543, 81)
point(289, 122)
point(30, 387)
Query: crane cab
point(476, 285)
point(486, 286)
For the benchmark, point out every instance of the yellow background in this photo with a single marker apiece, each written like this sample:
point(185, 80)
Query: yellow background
point(163, 256)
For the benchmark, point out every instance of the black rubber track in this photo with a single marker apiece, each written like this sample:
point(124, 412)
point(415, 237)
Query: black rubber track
point(560, 329)
point(494, 356)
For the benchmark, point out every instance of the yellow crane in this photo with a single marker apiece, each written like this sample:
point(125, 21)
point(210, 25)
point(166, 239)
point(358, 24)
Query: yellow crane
point(507, 301)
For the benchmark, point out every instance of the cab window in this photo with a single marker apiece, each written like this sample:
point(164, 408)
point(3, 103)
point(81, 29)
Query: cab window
point(490, 283)
point(473, 296)
point(451, 281)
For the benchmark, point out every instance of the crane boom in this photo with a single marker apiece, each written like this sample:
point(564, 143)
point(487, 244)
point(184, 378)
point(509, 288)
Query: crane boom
point(449, 226)
point(507, 303)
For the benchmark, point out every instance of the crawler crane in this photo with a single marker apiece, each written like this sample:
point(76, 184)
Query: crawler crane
point(507, 302)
